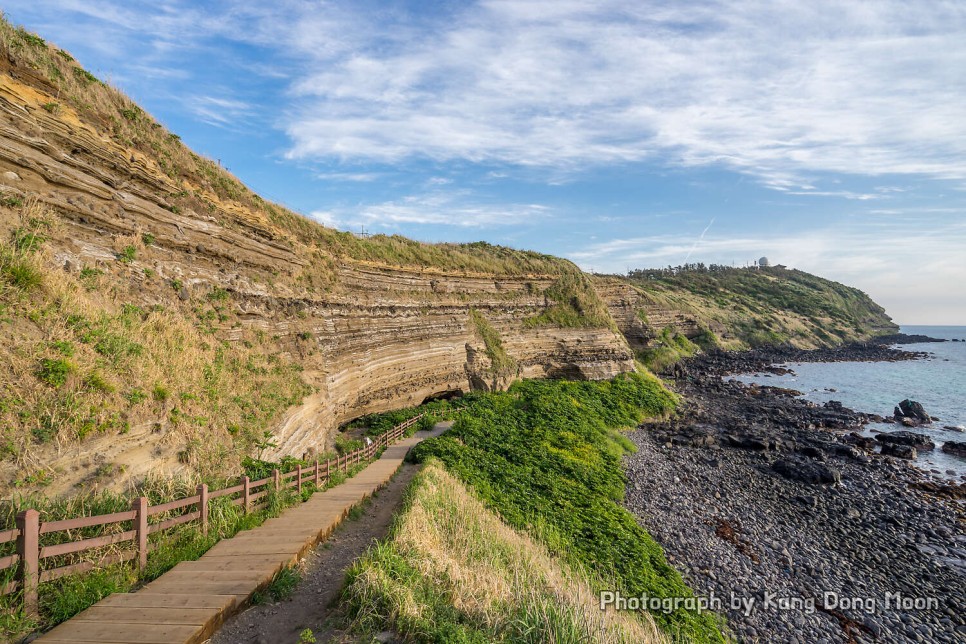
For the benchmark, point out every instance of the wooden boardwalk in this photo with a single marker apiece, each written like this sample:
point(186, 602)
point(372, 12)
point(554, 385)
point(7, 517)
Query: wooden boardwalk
point(192, 600)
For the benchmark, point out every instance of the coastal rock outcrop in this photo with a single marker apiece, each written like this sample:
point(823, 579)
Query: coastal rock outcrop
point(907, 452)
point(956, 448)
point(910, 409)
point(806, 471)
point(921, 442)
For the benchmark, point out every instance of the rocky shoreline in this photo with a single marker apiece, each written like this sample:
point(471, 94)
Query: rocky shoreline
point(778, 509)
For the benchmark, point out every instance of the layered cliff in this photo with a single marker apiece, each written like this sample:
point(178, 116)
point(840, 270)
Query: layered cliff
point(161, 317)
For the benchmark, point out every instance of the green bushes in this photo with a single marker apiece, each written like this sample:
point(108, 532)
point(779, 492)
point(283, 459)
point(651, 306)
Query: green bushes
point(546, 456)
point(54, 372)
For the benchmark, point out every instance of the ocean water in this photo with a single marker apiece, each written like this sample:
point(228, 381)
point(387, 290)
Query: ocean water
point(938, 382)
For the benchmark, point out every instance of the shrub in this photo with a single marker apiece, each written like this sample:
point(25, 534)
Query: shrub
point(127, 254)
point(55, 372)
point(160, 393)
point(95, 380)
point(21, 274)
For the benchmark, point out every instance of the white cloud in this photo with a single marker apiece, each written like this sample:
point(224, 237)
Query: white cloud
point(455, 208)
point(782, 90)
point(219, 111)
point(354, 177)
point(776, 89)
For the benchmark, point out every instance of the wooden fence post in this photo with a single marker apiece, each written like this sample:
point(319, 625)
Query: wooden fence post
point(141, 526)
point(203, 507)
point(327, 468)
point(298, 478)
point(247, 492)
point(276, 475)
point(318, 477)
point(28, 547)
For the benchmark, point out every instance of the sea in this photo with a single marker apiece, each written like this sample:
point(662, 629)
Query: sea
point(938, 382)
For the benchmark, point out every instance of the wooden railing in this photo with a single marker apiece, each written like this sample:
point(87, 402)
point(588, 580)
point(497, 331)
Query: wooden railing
point(145, 519)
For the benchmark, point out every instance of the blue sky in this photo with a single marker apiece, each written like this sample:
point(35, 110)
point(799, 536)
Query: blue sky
point(828, 136)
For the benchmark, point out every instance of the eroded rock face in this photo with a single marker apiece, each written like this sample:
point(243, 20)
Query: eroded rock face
point(639, 317)
point(382, 337)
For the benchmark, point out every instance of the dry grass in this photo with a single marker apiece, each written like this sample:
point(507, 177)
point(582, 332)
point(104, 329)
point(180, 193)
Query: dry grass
point(452, 569)
point(81, 360)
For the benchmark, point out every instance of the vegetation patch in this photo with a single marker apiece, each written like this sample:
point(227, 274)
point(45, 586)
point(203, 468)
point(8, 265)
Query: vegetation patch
point(572, 301)
point(767, 306)
point(501, 364)
point(669, 348)
point(71, 342)
point(452, 571)
point(546, 455)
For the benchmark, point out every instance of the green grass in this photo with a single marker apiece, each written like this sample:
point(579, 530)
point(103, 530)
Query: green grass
point(452, 571)
point(282, 587)
point(575, 303)
point(769, 306)
point(501, 364)
point(546, 455)
point(669, 348)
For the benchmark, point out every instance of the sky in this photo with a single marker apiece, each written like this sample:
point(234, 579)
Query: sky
point(827, 136)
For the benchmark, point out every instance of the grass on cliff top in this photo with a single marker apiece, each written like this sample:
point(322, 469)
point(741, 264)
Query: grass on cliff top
point(203, 185)
point(546, 456)
point(81, 361)
point(769, 306)
point(452, 571)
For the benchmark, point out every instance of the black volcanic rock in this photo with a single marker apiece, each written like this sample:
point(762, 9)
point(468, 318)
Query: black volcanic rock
point(911, 409)
point(919, 441)
point(905, 338)
point(955, 448)
point(907, 452)
point(806, 471)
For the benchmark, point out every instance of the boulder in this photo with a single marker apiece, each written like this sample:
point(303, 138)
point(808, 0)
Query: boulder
point(954, 428)
point(912, 439)
point(911, 409)
point(747, 441)
point(806, 471)
point(860, 441)
point(955, 448)
point(812, 452)
point(907, 452)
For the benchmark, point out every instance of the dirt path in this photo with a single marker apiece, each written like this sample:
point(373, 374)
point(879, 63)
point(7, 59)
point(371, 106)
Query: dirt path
point(313, 605)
